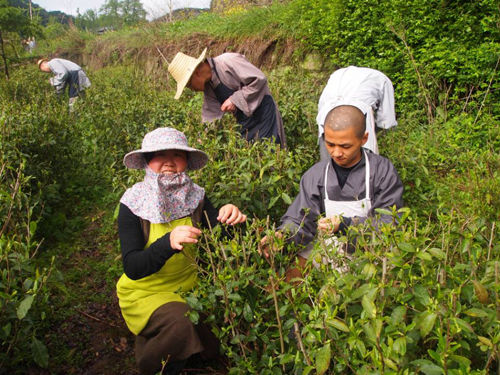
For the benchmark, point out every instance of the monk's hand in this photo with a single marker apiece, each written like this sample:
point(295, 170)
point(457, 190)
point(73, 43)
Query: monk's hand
point(265, 246)
point(329, 225)
point(230, 214)
point(183, 234)
point(228, 106)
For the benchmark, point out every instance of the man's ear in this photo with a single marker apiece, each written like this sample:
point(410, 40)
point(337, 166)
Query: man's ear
point(364, 139)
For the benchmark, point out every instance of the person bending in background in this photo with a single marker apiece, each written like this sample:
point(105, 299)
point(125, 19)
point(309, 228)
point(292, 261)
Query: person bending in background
point(158, 224)
point(370, 90)
point(230, 83)
point(66, 74)
point(342, 191)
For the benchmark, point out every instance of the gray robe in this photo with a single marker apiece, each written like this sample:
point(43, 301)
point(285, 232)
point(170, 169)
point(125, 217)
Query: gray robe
point(61, 69)
point(385, 185)
point(249, 83)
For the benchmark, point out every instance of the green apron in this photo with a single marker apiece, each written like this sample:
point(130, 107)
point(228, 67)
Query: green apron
point(138, 299)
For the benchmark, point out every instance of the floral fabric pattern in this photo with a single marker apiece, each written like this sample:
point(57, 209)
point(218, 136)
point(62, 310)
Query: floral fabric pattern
point(162, 198)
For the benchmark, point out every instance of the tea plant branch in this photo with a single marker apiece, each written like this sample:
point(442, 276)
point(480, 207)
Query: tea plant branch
point(296, 331)
point(384, 274)
point(276, 308)
point(468, 98)
point(486, 93)
point(11, 206)
point(12, 343)
point(490, 243)
point(401, 35)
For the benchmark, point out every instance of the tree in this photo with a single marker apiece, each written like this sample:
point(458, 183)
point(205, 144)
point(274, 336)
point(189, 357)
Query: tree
point(11, 20)
point(132, 12)
point(114, 14)
point(110, 13)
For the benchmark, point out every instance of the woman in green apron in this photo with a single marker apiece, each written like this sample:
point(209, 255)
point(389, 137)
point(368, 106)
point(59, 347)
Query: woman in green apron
point(158, 228)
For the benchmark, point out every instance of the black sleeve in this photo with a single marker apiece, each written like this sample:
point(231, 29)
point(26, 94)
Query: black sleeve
point(212, 213)
point(209, 215)
point(137, 262)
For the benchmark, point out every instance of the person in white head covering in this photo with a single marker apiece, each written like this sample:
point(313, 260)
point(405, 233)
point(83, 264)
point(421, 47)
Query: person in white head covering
point(158, 225)
point(231, 84)
point(368, 89)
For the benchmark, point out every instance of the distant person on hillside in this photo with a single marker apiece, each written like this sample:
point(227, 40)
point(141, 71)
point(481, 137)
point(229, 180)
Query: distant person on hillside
point(230, 83)
point(368, 89)
point(342, 191)
point(158, 225)
point(66, 74)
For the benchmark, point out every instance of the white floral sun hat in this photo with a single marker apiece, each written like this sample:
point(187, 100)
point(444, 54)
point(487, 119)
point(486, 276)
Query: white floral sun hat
point(165, 139)
point(182, 68)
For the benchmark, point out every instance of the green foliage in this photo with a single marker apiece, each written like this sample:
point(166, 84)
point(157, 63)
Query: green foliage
point(113, 14)
point(386, 309)
point(419, 297)
point(427, 47)
point(23, 285)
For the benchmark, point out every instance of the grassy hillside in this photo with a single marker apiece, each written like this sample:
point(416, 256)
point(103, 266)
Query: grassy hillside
point(419, 297)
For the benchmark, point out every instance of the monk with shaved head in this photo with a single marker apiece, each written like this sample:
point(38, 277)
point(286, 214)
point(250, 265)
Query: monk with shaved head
point(340, 192)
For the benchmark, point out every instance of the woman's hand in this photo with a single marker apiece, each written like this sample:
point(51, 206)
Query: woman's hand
point(329, 225)
point(230, 214)
point(268, 245)
point(183, 234)
point(228, 106)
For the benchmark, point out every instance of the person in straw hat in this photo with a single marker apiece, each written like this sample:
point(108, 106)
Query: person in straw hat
point(158, 226)
point(66, 74)
point(230, 83)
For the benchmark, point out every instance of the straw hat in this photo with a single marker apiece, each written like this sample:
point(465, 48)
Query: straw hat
point(182, 68)
point(39, 62)
point(165, 139)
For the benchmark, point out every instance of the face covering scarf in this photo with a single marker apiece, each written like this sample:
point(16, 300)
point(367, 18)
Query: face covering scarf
point(162, 198)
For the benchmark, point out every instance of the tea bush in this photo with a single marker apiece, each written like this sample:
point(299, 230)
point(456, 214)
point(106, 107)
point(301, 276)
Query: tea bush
point(406, 302)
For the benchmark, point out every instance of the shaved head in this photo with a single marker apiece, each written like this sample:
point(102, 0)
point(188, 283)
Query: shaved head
point(344, 117)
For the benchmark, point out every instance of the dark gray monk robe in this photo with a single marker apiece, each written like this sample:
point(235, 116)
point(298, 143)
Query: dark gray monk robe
point(385, 185)
point(249, 83)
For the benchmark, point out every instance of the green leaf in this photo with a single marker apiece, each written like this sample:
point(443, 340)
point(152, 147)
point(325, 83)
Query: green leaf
point(427, 323)
point(338, 324)
point(405, 246)
point(33, 225)
point(116, 211)
point(437, 253)
point(485, 341)
point(383, 211)
point(465, 362)
point(370, 332)
point(427, 367)
point(24, 306)
point(273, 201)
point(235, 297)
point(422, 295)
point(40, 353)
point(369, 307)
point(286, 198)
point(463, 325)
point(477, 313)
point(399, 345)
point(398, 315)
point(362, 290)
point(7, 329)
point(323, 357)
point(247, 313)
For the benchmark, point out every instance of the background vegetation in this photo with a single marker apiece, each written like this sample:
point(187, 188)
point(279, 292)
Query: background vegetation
point(421, 297)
